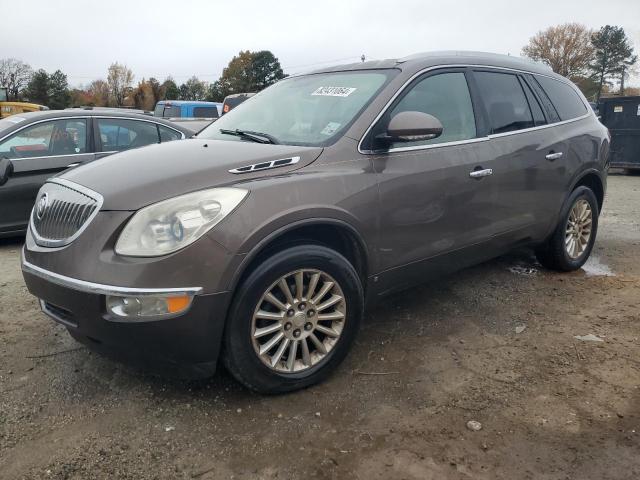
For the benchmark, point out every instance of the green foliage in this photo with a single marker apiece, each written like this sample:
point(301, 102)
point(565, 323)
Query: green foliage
point(50, 90)
point(170, 90)
point(247, 72)
point(193, 89)
point(38, 89)
point(613, 54)
point(59, 95)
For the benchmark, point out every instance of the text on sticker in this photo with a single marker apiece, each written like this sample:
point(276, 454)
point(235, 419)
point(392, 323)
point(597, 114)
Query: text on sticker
point(334, 91)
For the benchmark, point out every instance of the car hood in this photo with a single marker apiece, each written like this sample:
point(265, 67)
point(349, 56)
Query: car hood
point(136, 178)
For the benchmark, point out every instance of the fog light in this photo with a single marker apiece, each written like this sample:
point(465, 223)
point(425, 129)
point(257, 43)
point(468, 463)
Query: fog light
point(147, 306)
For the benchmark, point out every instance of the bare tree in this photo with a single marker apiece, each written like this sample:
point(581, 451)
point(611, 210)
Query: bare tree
point(120, 80)
point(566, 48)
point(15, 75)
point(98, 93)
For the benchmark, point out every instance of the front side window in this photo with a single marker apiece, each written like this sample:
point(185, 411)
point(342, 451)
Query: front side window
point(117, 135)
point(56, 137)
point(446, 97)
point(308, 110)
point(505, 101)
point(564, 98)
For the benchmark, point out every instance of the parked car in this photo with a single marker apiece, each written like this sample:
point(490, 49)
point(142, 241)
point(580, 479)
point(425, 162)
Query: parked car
point(187, 109)
point(621, 115)
point(41, 144)
point(264, 238)
point(232, 101)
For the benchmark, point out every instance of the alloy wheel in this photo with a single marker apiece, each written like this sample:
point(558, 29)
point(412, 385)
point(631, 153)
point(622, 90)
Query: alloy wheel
point(298, 320)
point(578, 228)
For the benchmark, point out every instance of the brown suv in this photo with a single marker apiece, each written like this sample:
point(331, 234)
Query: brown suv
point(264, 238)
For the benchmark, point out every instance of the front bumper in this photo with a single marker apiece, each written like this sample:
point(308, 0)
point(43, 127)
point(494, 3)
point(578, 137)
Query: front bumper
point(186, 345)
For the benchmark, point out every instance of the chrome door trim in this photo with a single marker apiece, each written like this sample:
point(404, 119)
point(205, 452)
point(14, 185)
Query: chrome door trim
point(99, 288)
point(471, 140)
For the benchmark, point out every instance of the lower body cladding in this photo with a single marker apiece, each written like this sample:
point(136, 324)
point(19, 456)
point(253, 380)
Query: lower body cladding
point(182, 344)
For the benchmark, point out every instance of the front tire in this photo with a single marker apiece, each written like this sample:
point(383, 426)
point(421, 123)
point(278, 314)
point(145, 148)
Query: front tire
point(293, 319)
point(571, 243)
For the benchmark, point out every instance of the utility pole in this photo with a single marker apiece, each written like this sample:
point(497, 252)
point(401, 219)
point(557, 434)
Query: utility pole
point(624, 67)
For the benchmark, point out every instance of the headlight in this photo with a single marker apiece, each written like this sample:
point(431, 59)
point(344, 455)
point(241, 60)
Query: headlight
point(170, 225)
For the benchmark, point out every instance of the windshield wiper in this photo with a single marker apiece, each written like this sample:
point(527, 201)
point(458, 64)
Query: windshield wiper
point(249, 135)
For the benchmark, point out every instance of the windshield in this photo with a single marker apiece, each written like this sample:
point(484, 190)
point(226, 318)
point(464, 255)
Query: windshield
point(310, 110)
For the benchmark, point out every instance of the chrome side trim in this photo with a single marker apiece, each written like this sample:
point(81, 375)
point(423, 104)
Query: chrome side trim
point(101, 289)
point(46, 242)
point(471, 140)
point(256, 167)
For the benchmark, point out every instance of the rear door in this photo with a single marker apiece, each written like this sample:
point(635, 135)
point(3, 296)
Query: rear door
point(37, 152)
point(527, 184)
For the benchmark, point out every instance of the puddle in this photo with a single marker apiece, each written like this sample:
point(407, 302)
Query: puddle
point(595, 268)
point(526, 271)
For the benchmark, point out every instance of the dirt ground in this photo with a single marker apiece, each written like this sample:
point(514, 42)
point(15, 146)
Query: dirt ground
point(426, 362)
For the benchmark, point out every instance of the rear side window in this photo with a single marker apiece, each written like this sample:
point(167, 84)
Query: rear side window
point(564, 98)
point(171, 111)
point(504, 101)
point(446, 97)
point(118, 135)
point(205, 112)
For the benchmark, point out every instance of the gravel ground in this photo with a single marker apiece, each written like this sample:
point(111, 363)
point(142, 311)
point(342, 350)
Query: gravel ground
point(493, 344)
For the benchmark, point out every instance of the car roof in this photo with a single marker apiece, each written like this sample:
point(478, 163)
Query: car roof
point(420, 61)
point(190, 102)
point(30, 117)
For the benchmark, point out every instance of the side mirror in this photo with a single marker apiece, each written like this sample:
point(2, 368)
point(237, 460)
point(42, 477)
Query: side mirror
point(412, 127)
point(6, 169)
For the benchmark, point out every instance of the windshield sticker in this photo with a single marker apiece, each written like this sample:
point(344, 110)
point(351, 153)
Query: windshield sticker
point(334, 91)
point(330, 129)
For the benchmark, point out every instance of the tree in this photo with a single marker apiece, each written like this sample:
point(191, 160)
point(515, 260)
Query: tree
point(170, 90)
point(247, 72)
point(193, 89)
point(15, 75)
point(156, 90)
point(565, 48)
point(37, 90)
point(120, 80)
point(613, 55)
point(99, 93)
point(143, 96)
point(59, 95)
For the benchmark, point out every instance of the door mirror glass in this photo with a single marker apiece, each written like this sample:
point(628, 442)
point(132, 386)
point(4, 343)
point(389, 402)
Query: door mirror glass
point(6, 169)
point(411, 126)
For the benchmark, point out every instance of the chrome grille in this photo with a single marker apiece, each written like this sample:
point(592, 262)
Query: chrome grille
point(62, 211)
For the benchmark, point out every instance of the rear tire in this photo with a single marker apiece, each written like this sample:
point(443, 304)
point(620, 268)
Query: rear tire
point(256, 319)
point(569, 247)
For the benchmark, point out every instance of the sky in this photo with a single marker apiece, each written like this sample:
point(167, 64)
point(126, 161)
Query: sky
point(182, 38)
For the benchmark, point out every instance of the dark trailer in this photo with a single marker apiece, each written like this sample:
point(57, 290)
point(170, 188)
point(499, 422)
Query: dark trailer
point(621, 115)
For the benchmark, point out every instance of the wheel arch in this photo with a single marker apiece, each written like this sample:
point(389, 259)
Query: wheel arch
point(333, 233)
point(592, 180)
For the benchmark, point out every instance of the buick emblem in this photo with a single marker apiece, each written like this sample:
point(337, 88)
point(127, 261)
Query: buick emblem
point(42, 205)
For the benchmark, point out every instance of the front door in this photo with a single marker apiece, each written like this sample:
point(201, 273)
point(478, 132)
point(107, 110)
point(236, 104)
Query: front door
point(436, 196)
point(38, 152)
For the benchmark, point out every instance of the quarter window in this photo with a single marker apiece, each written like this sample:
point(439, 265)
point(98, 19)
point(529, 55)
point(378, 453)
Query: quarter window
point(504, 101)
point(117, 135)
point(205, 112)
point(564, 98)
point(168, 134)
point(446, 97)
point(57, 137)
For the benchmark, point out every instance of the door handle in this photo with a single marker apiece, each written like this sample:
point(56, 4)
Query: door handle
point(553, 156)
point(71, 165)
point(481, 173)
